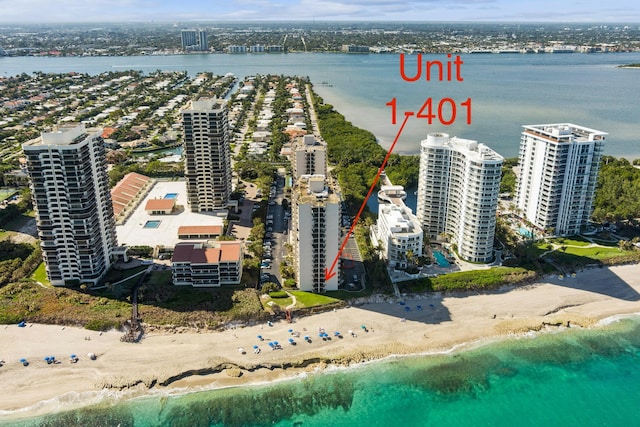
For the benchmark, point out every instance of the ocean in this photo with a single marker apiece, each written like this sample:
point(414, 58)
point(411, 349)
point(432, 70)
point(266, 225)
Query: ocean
point(507, 91)
point(577, 377)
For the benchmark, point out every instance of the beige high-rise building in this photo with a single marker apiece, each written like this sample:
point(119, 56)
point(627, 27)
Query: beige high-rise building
point(310, 157)
point(316, 223)
point(74, 214)
point(207, 155)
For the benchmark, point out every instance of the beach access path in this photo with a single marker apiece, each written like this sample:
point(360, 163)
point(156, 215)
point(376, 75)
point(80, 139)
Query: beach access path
point(424, 323)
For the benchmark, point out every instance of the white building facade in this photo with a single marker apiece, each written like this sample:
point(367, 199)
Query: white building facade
point(398, 232)
point(309, 157)
point(207, 155)
point(558, 172)
point(458, 191)
point(74, 214)
point(315, 232)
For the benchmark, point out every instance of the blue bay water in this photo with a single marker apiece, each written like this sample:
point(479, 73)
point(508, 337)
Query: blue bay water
point(507, 90)
point(572, 378)
point(583, 377)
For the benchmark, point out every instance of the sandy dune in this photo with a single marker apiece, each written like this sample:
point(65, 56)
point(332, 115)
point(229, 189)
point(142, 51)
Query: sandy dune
point(182, 358)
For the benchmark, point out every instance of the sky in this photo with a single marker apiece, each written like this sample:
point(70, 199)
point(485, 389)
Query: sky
point(63, 11)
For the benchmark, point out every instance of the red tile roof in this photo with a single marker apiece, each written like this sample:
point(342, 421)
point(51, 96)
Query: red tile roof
point(160, 204)
point(126, 190)
point(196, 254)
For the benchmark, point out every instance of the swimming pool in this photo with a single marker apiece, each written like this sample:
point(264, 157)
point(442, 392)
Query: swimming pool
point(171, 196)
point(440, 259)
point(152, 224)
point(526, 233)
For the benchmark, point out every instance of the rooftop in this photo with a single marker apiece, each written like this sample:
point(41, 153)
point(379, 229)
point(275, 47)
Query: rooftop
point(315, 189)
point(127, 190)
point(200, 229)
point(470, 148)
point(199, 253)
point(133, 233)
point(565, 132)
point(159, 204)
point(62, 135)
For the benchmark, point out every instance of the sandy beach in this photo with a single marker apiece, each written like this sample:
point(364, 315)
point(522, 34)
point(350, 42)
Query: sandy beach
point(188, 359)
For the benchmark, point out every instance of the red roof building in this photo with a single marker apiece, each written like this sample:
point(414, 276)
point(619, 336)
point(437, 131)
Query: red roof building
point(199, 265)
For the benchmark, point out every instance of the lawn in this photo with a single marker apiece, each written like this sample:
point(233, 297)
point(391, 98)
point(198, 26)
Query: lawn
point(40, 275)
point(309, 299)
point(575, 241)
point(304, 300)
point(5, 193)
point(474, 279)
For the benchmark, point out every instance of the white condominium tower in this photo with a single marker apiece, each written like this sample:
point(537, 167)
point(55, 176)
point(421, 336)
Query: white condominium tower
point(316, 223)
point(70, 186)
point(309, 157)
point(559, 166)
point(458, 193)
point(206, 152)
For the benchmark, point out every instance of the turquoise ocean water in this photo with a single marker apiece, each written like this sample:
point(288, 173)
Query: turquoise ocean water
point(572, 378)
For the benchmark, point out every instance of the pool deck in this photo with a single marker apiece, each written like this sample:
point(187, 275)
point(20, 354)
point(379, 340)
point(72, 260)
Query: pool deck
point(133, 233)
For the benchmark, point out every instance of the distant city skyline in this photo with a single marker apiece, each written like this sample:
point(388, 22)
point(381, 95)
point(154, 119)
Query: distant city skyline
point(63, 11)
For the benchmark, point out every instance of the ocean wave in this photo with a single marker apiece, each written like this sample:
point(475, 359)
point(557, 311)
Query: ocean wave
point(68, 401)
point(618, 317)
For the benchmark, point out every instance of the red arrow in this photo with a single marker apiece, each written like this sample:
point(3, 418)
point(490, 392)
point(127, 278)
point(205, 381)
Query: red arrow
point(328, 274)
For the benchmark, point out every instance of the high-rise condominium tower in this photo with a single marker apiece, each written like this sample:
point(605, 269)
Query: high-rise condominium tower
point(194, 40)
point(458, 193)
point(70, 187)
point(207, 157)
point(558, 171)
point(316, 223)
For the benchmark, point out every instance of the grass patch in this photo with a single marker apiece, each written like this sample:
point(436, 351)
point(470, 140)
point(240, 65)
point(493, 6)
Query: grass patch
point(159, 304)
point(309, 299)
point(40, 275)
point(5, 193)
point(596, 252)
point(281, 302)
point(573, 241)
point(472, 280)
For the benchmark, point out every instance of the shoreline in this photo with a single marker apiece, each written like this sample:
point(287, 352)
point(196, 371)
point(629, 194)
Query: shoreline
point(186, 362)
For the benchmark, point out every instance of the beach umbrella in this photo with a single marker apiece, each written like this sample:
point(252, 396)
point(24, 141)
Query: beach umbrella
point(350, 332)
point(291, 341)
point(290, 331)
point(306, 337)
point(271, 344)
point(73, 356)
point(255, 347)
point(275, 343)
point(24, 362)
point(260, 337)
point(363, 327)
point(336, 333)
